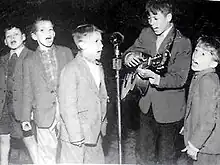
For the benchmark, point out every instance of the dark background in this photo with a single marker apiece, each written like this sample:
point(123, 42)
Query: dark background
point(192, 17)
point(125, 16)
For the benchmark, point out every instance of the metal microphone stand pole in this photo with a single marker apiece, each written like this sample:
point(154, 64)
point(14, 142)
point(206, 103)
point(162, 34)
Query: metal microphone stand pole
point(117, 66)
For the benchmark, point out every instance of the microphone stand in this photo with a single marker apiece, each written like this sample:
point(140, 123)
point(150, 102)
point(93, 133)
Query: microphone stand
point(117, 62)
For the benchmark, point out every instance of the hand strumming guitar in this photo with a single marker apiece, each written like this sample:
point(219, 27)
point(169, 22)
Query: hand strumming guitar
point(133, 59)
point(148, 74)
point(143, 67)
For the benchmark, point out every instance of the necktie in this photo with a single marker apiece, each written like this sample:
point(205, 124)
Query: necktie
point(10, 81)
point(11, 64)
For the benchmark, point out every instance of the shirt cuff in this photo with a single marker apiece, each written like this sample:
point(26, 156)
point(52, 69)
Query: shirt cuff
point(155, 80)
point(193, 147)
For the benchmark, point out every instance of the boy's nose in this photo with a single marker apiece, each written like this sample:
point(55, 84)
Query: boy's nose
point(151, 22)
point(101, 45)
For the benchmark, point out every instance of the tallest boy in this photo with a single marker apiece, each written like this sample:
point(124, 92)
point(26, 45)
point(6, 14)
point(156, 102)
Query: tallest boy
point(41, 75)
point(163, 105)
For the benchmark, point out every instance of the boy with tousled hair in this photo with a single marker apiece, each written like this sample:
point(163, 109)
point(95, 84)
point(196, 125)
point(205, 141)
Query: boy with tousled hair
point(83, 99)
point(202, 120)
point(163, 104)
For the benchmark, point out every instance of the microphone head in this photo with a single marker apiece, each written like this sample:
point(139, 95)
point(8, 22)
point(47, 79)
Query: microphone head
point(116, 38)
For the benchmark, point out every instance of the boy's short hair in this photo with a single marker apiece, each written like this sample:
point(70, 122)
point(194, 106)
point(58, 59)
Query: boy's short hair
point(39, 19)
point(212, 43)
point(10, 26)
point(165, 6)
point(82, 31)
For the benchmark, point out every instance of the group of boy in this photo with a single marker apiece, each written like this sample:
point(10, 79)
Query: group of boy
point(50, 87)
point(32, 92)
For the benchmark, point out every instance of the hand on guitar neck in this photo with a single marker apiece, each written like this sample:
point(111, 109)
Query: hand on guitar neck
point(141, 60)
point(143, 67)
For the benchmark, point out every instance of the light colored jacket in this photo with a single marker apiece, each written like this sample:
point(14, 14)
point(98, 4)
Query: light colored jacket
point(82, 104)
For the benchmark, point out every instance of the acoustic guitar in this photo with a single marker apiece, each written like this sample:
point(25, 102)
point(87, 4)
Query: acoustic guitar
point(157, 63)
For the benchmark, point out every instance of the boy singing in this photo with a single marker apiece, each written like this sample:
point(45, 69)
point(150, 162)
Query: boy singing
point(83, 99)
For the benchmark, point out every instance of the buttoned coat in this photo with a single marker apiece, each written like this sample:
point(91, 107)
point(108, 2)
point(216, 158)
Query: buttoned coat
point(38, 91)
point(168, 98)
point(202, 120)
point(18, 83)
point(82, 103)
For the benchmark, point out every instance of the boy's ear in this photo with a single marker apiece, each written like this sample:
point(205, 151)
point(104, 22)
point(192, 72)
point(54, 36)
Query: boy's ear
point(24, 37)
point(33, 36)
point(5, 42)
point(169, 17)
point(82, 45)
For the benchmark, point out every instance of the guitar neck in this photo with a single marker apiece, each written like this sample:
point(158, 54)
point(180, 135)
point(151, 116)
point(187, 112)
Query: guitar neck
point(146, 63)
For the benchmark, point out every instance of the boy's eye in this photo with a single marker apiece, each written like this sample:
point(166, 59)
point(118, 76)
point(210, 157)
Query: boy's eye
point(203, 54)
point(152, 18)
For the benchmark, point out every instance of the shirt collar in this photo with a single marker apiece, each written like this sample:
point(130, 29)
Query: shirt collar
point(94, 62)
point(17, 51)
point(43, 51)
point(165, 33)
point(203, 72)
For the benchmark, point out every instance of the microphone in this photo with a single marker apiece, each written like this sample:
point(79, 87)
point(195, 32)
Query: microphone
point(116, 38)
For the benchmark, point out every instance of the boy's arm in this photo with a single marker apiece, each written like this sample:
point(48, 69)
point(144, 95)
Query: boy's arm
point(138, 46)
point(69, 55)
point(207, 111)
point(68, 105)
point(27, 92)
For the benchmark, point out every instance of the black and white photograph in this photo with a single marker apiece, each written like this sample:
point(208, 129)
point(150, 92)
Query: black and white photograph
point(110, 82)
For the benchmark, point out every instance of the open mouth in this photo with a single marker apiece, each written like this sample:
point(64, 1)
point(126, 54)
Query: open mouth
point(48, 38)
point(194, 62)
point(13, 42)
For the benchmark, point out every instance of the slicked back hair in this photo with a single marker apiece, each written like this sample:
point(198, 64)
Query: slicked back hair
point(82, 31)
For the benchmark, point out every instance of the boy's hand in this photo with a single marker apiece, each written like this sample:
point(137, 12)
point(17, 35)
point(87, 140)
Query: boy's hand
point(191, 152)
point(133, 59)
point(26, 126)
point(104, 127)
point(147, 73)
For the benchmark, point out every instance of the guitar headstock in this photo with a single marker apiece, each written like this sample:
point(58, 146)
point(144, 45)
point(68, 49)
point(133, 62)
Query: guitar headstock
point(156, 60)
